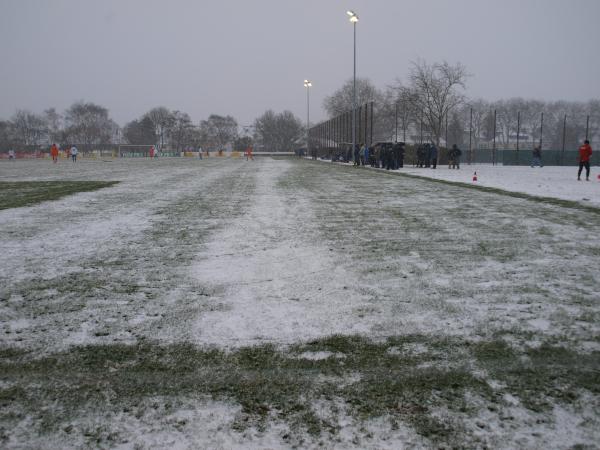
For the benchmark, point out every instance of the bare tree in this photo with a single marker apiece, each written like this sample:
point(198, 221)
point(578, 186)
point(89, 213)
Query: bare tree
point(341, 100)
point(434, 90)
point(531, 120)
point(506, 116)
point(456, 128)
point(89, 124)
point(162, 119)
point(30, 128)
point(54, 124)
point(140, 132)
point(394, 116)
point(566, 124)
point(218, 131)
point(279, 132)
point(180, 135)
point(8, 135)
point(480, 109)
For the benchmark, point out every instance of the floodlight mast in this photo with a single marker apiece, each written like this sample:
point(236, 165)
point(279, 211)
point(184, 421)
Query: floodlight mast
point(353, 19)
point(307, 85)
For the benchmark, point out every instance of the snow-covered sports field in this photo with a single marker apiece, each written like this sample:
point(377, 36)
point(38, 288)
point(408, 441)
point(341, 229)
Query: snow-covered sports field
point(284, 303)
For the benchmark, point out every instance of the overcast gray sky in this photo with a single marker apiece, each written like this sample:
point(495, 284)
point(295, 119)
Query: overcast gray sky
point(241, 57)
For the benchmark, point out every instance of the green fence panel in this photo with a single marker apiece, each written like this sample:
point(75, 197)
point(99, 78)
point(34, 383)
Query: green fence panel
point(549, 157)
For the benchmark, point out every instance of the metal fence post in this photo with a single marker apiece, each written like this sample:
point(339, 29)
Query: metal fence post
point(471, 137)
point(564, 136)
point(366, 123)
point(396, 116)
point(494, 144)
point(542, 131)
point(518, 133)
point(587, 127)
point(372, 118)
point(404, 122)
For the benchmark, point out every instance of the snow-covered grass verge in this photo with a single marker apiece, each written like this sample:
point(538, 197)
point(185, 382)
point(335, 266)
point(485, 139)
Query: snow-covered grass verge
point(549, 181)
point(282, 303)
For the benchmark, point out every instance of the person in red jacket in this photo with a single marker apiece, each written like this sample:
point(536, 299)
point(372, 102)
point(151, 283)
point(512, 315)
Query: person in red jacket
point(54, 153)
point(585, 151)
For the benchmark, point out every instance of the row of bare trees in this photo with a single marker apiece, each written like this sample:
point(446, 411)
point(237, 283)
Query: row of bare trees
point(175, 130)
point(432, 105)
point(84, 123)
point(90, 124)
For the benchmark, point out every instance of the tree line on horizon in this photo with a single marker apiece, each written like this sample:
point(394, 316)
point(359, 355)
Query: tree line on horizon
point(89, 124)
point(431, 102)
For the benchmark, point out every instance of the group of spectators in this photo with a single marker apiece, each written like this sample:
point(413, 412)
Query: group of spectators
point(384, 155)
point(390, 156)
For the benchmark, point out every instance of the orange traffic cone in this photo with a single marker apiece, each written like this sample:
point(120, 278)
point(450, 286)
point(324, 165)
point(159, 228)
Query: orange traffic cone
point(475, 176)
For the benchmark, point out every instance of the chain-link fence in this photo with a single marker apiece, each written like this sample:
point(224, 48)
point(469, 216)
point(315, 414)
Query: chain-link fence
point(333, 138)
point(485, 136)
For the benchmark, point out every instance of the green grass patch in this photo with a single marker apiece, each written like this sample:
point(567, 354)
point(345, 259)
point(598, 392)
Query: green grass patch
point(15, 194)
point(371, 379)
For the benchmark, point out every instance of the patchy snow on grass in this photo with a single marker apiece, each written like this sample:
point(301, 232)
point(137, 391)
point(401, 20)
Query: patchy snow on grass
point(227, 254)
point(548, 181)
point(317, 356)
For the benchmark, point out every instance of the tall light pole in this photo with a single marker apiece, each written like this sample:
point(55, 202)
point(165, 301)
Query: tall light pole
point(307, 85)
point(353, 20)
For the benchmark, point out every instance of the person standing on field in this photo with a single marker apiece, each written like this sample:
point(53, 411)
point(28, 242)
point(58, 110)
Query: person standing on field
point(54, 153)
point(454, 157)
point(585, 152)
point(399, 154)
point(74, 152)
point(536, 157)
point(433, 154)
point(361, 155)
point(11, 155)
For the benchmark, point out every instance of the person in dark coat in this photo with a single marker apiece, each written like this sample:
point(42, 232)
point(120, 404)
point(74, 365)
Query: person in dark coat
point(420, 155)
point(399, 154)
point(454, 157)
point(427, 155)
point(396, 155)
point(384, 157)
point(536, 157)
point(381, 156)
point(390, 161)
point(372, 156)
point(433, 155)
point(357, 154)
point(390, 156)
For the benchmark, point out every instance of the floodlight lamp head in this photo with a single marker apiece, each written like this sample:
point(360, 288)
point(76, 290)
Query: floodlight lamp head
point(307, 83)
point(353, 16)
